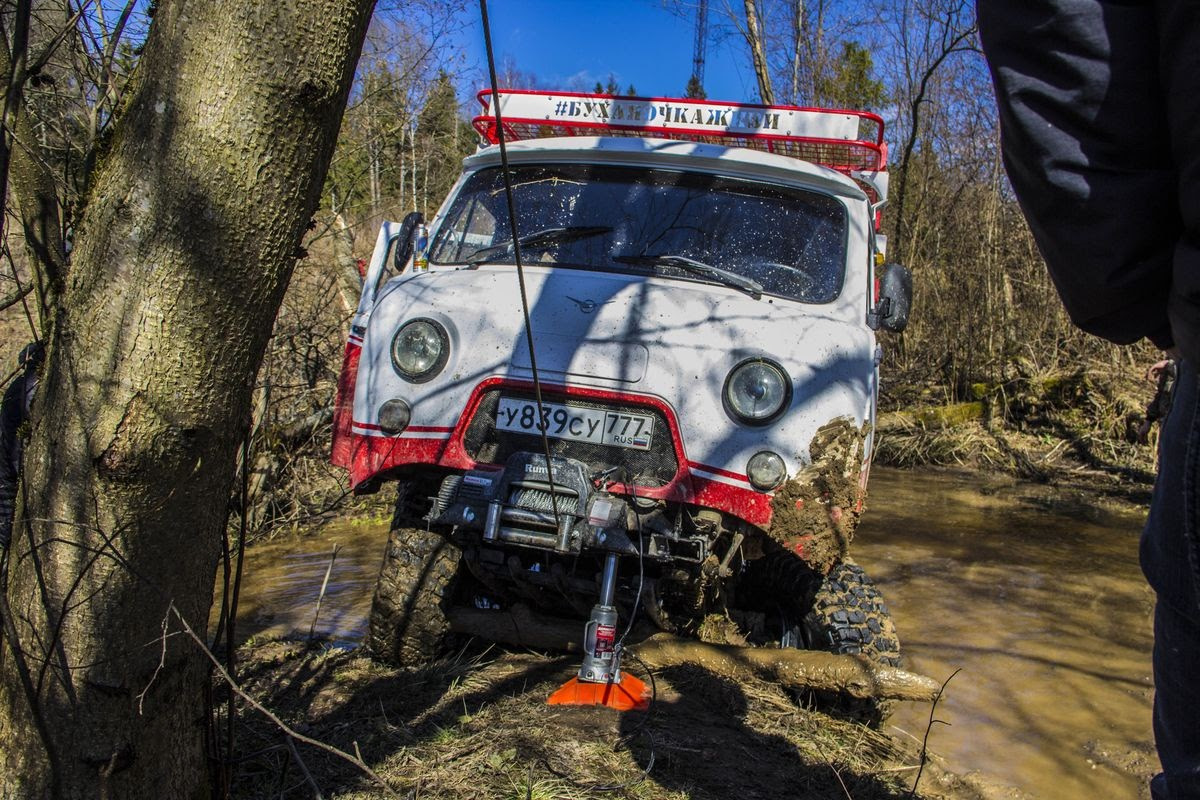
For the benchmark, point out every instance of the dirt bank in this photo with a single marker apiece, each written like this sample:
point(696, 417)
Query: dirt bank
point(1070, 457)
point(478, 727)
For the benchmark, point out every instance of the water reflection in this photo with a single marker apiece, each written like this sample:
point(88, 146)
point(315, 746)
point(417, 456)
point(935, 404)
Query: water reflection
point(282, 580)
point(1041, 603)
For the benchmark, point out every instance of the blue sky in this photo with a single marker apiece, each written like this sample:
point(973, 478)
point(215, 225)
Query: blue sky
point(574, 42)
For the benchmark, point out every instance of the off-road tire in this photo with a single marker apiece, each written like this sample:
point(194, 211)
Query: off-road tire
point(416, 587)
point(848, 616)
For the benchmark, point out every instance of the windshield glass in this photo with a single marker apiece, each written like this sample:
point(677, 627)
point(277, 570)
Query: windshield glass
point(790, 242)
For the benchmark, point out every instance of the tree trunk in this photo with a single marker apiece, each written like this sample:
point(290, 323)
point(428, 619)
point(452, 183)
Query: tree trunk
point(349, 279)
point(758, 52)
point(798, 34)
point(180, 261)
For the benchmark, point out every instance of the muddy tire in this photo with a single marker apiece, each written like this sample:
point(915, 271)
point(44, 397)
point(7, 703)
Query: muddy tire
point(416, 587)
point(848, 616)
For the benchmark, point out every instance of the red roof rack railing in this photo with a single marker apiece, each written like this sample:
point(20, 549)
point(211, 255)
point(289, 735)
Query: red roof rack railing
point(847, 141)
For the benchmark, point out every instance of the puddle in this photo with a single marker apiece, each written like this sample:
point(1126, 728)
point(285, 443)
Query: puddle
point(1043, 608)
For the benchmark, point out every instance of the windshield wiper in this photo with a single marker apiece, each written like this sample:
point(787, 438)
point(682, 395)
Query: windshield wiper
point(538, 239)
point(747, 285)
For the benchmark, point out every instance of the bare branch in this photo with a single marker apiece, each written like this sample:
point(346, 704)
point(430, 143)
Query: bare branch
point(162, 660)
point(16, 296)
point(291, 743)
point(283, 726)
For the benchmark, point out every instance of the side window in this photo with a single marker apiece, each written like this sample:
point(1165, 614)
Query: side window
point(470, 231)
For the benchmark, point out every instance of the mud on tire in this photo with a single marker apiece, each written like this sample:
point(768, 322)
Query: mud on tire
point(416, 586)
point(848, 616)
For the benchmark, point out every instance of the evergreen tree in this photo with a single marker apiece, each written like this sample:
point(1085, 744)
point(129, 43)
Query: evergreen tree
point(848, 82)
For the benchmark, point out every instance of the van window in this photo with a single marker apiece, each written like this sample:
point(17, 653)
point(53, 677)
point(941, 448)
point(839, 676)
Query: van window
point(792, 242)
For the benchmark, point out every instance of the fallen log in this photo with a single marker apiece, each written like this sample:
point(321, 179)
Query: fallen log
point(856, 676)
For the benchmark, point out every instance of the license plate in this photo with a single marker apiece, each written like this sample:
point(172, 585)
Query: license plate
point(619, 428)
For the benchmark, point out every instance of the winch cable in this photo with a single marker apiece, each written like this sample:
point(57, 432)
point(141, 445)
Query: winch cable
point(537, 393)
point(637, 600)
point(512, 226)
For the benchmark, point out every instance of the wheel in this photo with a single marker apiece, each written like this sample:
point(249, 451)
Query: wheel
point(848, 616)
point(416, 587)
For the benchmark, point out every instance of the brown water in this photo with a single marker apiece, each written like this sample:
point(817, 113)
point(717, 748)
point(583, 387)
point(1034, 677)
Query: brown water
point(1038, 600)
point(282, 578)
point(1041, 604)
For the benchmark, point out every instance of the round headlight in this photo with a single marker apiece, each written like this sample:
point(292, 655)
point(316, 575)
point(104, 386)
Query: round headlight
point(757, 392)
point(766, 471)
point(419, 350)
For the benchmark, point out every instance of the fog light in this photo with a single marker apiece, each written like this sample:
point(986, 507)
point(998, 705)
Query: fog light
point(394, 416)
point(766, 471)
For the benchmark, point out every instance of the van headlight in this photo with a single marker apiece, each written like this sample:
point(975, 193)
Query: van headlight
point(757, 392)
point(420, 350)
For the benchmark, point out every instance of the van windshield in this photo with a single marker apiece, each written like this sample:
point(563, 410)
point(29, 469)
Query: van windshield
point(775, 239)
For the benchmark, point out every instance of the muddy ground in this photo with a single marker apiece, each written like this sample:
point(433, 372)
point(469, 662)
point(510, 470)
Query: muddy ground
point(478, 727)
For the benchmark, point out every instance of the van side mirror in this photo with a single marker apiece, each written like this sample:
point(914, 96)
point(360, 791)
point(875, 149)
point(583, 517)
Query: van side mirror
point(894, 301)
point(403, 249)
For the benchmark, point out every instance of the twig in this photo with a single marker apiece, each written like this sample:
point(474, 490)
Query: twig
point(836, 773)
point(16, 297)
point(231, 620)
point(925, 741)
point(321, 596)
point(162, 660)
point(283, 726)
point(304, 768)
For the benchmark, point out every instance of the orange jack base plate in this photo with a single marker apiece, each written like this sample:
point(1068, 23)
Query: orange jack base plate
point(627, 694)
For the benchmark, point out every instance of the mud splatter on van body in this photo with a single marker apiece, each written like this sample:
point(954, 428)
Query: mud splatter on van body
point(815, 514)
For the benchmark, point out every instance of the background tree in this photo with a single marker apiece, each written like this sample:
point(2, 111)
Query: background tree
point(849, 82)
point(184, 246)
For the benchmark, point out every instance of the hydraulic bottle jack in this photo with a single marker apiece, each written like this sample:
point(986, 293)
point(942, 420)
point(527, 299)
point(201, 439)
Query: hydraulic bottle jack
point(600, 681)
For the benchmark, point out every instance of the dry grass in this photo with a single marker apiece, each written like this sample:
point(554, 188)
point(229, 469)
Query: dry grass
point(479, 728)
point(1072, 432)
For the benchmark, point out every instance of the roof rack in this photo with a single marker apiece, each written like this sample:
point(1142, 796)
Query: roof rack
point(847, 141)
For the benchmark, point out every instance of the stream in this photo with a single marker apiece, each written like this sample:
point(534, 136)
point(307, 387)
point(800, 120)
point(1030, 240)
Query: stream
point(1034, 597)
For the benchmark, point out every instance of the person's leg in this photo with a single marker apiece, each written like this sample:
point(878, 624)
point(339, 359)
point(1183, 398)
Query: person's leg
point(1167, 561)
point(11, 414)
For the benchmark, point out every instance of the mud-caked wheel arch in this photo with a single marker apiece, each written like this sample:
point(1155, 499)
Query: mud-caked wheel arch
point(417, 584)
point(848, 616)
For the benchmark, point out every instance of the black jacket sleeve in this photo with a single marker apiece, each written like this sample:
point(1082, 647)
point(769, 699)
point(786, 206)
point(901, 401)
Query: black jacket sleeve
point(1086, 146)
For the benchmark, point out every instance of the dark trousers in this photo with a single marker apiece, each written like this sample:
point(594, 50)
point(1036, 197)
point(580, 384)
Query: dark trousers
point(12, 413)
point(1169, 551)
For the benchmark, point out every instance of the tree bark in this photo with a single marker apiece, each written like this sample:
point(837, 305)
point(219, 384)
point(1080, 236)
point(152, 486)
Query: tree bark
point(758, 52)
point(190, 233)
